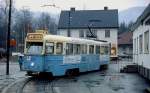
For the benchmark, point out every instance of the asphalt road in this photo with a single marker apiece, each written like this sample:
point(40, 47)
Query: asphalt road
point(13, 68)
point(109, 81)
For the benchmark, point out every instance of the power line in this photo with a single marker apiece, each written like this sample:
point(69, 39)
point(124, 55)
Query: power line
point(50, 5)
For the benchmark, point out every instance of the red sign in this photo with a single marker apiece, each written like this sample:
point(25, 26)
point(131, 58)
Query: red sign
point(13, 42)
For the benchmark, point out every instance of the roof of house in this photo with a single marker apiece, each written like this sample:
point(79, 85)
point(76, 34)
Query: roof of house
point(88, 18)
point(125, 38)
point(141, 18)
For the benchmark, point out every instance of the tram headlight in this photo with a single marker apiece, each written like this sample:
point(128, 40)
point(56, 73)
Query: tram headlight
point(32, 64)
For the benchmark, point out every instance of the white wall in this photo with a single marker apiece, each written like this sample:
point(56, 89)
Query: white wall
point(62, 32)
point(75, 33)
point(113, 35)
point(141, 58)
point(100, 35)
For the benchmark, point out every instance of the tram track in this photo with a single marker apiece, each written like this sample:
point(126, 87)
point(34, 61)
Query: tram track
point(42, 84)
point(20, 89)
point(45, 85)
point(86, 83)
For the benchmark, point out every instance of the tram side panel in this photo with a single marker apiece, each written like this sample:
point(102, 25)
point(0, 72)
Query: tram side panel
point(58, 65)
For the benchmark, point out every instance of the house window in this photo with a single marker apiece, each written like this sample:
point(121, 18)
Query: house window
point(134, 46)
point(146, 42)
point(137, 44)
point(68, 33)
point(107, 33)
point(141, 44)
point(81, 33)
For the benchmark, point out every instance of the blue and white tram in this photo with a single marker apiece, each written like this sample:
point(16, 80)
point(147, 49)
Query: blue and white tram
point(61, 55)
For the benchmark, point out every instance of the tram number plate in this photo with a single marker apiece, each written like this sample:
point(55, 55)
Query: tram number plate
point(28, 58)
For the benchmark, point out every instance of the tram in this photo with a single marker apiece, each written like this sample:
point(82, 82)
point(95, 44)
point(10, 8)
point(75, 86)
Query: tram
point(59, 55)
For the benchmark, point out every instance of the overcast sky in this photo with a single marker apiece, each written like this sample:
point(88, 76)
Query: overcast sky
point(35, 5)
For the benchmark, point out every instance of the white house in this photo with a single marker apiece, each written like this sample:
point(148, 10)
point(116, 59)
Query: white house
point(141, 42)
point(91, 24)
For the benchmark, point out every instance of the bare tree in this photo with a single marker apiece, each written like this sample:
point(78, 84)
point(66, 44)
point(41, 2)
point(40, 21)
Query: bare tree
point(47, 22)
point(4, 7)
point(22, 26)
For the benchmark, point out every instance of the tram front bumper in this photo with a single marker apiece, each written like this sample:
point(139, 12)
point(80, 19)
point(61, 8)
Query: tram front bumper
point(32, 66)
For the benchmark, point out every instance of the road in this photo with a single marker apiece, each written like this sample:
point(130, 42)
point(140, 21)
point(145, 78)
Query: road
point(15, 74)
point(14, 68)
point(109, 81)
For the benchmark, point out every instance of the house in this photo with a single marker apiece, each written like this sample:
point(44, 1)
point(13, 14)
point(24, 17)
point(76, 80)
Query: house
point(141, 42)
point(125, 44)
point(91, 24)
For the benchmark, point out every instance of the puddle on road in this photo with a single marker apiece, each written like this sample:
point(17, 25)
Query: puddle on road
point(117, 88)
point(92, 83)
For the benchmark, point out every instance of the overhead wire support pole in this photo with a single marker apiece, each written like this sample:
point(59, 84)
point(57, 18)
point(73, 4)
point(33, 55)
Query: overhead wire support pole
point(8, 37)
point(69, 25)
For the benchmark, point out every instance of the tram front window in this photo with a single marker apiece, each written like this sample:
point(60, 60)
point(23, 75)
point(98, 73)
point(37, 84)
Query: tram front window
point(34, 47)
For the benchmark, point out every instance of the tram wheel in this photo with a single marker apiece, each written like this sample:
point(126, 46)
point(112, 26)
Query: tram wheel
point(76, 72)
point(29, 73)
point(72, 72)
point(103, 67)
point(69, 73)
point(46, 75)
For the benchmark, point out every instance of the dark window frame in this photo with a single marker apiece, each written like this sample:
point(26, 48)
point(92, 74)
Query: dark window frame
point(107, 33)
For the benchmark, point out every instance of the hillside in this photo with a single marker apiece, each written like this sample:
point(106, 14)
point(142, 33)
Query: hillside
point(130, 14)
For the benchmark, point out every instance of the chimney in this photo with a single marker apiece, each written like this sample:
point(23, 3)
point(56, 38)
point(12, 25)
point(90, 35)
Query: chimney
point(105, 8)
point(72, 9)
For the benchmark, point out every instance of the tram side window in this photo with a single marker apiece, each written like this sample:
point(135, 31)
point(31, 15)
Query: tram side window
point(104, 50)
point(91, 49)
point(59, 48)
point(50, 48)
point(69, 49)
point(77, 48)
point(97, 49)
point(84, 49)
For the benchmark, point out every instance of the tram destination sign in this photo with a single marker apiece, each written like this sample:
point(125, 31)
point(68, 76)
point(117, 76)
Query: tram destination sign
point(35, 36)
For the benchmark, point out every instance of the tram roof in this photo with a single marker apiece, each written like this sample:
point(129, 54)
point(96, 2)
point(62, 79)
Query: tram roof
point(71, 40)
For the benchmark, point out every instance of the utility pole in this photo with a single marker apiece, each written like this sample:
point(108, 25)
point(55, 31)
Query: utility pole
point(8, 37)
point(69, 25)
